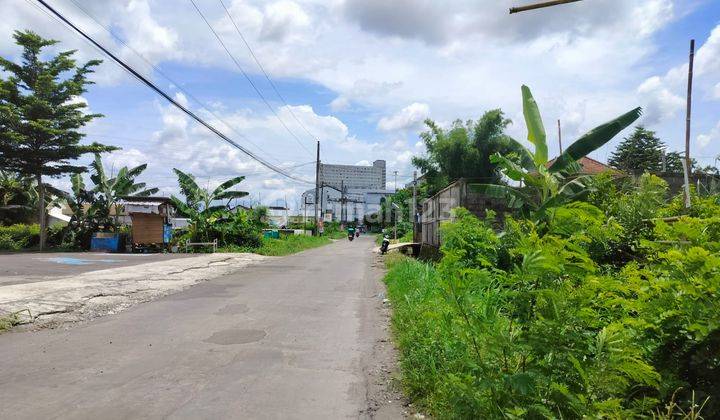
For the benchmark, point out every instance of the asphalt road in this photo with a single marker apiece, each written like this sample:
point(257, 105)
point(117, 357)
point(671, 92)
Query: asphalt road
point(292, 337)
point(36, 266)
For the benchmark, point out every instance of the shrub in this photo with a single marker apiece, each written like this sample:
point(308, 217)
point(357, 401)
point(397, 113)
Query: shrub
point(527, 324)
point(17, 237)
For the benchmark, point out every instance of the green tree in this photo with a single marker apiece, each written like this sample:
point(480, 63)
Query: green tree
point(40, 115)
point(109, 191)
point(642, 151)
point(464, 150)
point(549, 185)
point(200, 203)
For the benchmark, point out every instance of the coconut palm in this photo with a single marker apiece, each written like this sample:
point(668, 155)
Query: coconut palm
point(548, 185)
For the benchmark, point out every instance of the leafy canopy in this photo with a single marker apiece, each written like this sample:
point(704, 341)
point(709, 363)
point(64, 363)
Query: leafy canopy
point(40, 113)
point(464, 150)
point(548, 185)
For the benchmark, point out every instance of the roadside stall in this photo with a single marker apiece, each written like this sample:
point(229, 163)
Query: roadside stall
point(151, 222)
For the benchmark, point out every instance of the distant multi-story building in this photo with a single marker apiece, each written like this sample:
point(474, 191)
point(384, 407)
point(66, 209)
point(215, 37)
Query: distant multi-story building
point(354, 176)
point(364, 188)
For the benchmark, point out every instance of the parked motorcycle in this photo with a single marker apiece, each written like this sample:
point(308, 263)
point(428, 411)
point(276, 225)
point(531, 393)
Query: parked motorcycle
point(385, 244)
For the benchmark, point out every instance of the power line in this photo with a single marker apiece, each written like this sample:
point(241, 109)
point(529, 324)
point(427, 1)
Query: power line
point(162, 93)
point(168, 78)
point(267, 76)
point(237, 64)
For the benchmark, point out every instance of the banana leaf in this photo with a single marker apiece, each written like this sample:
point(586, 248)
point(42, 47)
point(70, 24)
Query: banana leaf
point(536, 129)
point(594, 139)
point(227, 184)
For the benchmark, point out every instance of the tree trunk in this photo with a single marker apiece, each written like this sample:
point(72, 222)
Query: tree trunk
point(41, 211)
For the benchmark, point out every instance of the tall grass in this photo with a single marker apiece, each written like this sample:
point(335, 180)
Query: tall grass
point(283, 246)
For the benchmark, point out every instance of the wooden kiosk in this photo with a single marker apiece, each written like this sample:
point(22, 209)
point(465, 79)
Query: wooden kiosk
point(150, 216)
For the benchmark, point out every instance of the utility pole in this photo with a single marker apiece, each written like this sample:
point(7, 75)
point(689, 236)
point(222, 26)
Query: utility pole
point(540, 5)
point(317, 190)
point(413, 210)
point(559, 137)
point(688, 165)
point(342, 202)
point(395, 172)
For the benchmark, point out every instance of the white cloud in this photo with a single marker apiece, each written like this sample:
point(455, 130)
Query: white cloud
point(660, 102)
point(282, 19)
point(713, 136)
point(716, 91)
point(410, 117)
point(342, 103)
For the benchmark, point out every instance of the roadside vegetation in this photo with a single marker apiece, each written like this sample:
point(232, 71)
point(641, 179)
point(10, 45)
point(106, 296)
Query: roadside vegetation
point(41, 136)
point(597, 298)
point(279, 247)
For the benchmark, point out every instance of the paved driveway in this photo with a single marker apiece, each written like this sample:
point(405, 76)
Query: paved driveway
point(35, 266)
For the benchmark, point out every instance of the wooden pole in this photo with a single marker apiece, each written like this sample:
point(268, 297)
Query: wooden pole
point(540, 5)
point(559, 137)
point(688, 166)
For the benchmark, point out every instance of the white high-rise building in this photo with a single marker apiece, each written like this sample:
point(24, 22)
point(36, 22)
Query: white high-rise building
point(354, 176)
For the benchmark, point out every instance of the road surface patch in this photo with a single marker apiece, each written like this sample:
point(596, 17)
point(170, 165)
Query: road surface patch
point(233, 309)
point(236, 336)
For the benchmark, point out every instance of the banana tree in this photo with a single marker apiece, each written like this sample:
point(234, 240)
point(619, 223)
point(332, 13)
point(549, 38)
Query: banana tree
point(546, 184)
point(200, 204)
point(110, 190)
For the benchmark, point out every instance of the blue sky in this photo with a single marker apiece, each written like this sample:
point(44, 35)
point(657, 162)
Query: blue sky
point(362, 76)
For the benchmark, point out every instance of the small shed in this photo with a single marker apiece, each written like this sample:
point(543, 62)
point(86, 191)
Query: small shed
point(150, 216)
point(437, 208)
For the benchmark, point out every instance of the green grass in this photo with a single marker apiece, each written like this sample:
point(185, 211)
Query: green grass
point(284, 246)
point(10, 320)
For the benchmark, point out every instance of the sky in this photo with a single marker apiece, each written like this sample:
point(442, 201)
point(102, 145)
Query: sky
point(361, 76)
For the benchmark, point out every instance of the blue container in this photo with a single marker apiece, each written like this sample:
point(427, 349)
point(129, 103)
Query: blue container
point(107, 242)
point(273, 234)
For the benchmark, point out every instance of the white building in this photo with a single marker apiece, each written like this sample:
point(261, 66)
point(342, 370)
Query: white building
point(354, 176)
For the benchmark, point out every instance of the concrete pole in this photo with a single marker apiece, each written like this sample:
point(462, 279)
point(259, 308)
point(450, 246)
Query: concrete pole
point(413, 210)
point(317, 191)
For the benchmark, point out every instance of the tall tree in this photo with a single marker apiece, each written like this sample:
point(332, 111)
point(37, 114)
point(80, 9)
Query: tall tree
point(40, 115)
point(549, 185)
point(641, 152)
point(464, 150)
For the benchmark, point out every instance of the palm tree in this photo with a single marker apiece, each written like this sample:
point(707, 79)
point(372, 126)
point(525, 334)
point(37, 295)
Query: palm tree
point(548, 185)
point(199, 205)
point(111, 190)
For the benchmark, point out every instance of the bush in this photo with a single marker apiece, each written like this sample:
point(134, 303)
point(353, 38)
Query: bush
point(528, 324)
point(17, 237)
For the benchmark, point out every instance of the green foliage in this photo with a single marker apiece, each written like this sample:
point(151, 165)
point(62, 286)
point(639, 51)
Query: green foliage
point(279, 247)
point(109, 191)
point(211, 220)
point(40, 117)
point(464, 150)
point(538, 321)
point(642, 152)
point(548, 187)
point(17, 237)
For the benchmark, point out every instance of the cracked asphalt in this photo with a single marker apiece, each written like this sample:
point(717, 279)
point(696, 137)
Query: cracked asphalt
point(298, 337)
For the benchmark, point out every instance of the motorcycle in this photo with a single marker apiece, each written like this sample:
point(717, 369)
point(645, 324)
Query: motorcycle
point(385, 244)
point(351, 234)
